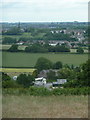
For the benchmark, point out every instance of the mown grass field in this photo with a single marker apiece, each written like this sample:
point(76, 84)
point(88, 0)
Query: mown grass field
point(29, 59)
point(45, 107)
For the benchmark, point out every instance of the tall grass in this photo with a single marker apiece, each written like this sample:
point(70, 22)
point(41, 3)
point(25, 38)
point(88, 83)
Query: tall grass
point(25, 106)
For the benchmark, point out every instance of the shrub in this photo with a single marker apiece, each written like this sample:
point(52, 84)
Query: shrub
point(25, 80)
point(41, 91)
point(80, 50)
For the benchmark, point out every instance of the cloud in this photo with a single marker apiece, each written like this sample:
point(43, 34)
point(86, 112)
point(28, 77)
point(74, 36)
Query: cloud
point(45, 10)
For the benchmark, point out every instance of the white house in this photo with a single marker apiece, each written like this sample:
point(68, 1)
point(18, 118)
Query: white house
point(40, 81)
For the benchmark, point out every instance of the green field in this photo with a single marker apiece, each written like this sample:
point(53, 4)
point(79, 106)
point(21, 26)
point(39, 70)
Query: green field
point(29, 59)
point(25, 106)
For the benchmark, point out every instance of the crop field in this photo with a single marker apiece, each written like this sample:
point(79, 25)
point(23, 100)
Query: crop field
point(16, 70)
point(29, 59)
point(44, 107)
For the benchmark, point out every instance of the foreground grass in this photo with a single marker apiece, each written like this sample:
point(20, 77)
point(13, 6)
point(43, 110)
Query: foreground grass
point(45, 107)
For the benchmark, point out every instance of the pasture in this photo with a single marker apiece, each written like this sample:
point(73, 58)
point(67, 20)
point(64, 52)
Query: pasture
point(20, 59)
point(44, 107)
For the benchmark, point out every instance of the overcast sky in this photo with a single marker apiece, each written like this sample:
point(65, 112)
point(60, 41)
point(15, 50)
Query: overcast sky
point(44, 10)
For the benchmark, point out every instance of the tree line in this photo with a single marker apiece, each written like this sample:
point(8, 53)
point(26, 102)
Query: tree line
point(37, 48)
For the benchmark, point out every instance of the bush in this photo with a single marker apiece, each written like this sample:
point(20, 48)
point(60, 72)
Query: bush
point(8, 40)
point(10, 84)
point(80, 50)
point(25, 80)
point(57, 65)
point(13, 48)
point(41, 91)
point(72, 91)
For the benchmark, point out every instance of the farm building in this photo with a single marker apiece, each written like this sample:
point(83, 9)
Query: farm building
point(59, 83)
point(43, 73)
point(40, 81)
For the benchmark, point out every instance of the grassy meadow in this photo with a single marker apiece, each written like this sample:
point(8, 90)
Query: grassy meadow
point(45, 107)
point(21, 59)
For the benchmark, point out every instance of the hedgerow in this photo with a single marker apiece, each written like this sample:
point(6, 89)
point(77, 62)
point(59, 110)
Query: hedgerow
point(41, 91)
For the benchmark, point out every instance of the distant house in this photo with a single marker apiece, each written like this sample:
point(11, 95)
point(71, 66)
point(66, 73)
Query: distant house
point(40, 81)
point(53, 44)
point(43, 73)
point(20, 43)
point(59, 83)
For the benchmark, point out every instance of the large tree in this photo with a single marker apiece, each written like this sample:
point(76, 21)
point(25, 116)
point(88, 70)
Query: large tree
point(13, 48)
point(43, 64)
point(84, 75)
point(7, 82)
point(8, 40)
point(57, 65)
point(80, 50)
point(25, 80)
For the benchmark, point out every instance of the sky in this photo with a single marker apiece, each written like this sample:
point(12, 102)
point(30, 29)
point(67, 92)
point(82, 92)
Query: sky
point(44, 10)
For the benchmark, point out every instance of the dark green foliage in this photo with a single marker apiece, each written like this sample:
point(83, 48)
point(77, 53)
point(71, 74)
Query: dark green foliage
point(7, 82)
point(79, 77)
point(10, 84)
point(80, 50)
point(43, 64)
point(24, 39)
point(64, 73)
point(5, 77)
point(35, 91)
point(58, 36)
point(58, 48)
point(71, 91)
point(84, 76)
point(51, 76)
point(36, 48)
point(13, 48)
point(8, 40)
point(12, 31)
point(35, 74)
point(25, 80)
point(57, 65)
point(41, 91)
